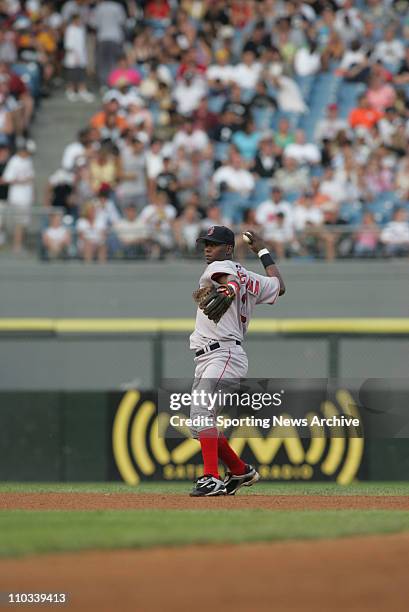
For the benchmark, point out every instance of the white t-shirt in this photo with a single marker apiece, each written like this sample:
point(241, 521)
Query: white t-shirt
point(239, 180)
point(20, 169)
point(93, 233)
point(72, 153)
point(196, 141)
point(390, 52)
point(254, 289)
point(245, 76)
point(306, 63)
point(222, 73)
point(303, 215)
point(75, 45)
point(129, 231)
point(303, 153)
point(267, 211)
point(56, 235)
point(188, 97)
point(396, 232)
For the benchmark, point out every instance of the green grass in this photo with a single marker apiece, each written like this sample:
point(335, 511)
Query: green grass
point(24, 532)
point(263, 488)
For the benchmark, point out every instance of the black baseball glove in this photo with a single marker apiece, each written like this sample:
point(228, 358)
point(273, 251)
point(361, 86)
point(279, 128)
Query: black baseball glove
point(214, 302)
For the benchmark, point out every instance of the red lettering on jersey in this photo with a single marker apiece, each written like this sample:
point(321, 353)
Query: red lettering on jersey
point(253, 287)
point(257, 288)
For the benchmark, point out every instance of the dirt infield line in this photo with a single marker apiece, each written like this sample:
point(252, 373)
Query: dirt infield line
point(355, 574)
point(114, 501)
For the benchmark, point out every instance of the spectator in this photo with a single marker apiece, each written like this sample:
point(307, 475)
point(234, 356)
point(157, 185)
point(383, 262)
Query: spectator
point(110, 107)
point(364, 115)
point(280, 237)
point(247, 72)
point(132, 185)
point(59, 192)
point(247, 140)
point(220, 73)
point(291, 178)
point(56, 238)
point(390, 51)
point(402, 76)
point(167, 181)
point(75, 60)
point(301, 151)
point(19, 175)
point(129, 235)
point(187, 229)
point(267, 211)
point(104, 168)
point(309, 224)
point(395, 235)
point(329, 128)
point(366, 239)
point(79, 150)
point(307, 60)
point(108, 19)
point(92, 234)
point(159, 219)
point(107, 212)
point(268, 157)
point(380, 95)
point(283, 135)
point(188, 93)
point(124, 74)
point(190, 138)
point(233, 177)
point(289, 98)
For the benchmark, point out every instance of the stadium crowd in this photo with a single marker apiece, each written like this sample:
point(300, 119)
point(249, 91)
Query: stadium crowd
point(290, 118)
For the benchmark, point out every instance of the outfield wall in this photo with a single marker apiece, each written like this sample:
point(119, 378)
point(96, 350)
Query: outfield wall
point(89, 437)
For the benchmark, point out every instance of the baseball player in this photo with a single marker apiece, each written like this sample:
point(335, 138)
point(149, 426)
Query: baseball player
point(226, 297)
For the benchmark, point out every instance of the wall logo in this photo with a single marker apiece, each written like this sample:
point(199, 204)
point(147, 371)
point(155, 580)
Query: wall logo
point(139, 452)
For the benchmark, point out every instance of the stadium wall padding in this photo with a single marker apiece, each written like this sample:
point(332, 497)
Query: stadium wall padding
point(67, 437)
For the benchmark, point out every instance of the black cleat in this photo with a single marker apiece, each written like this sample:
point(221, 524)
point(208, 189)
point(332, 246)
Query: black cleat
point(233, 483)
point(208, 486)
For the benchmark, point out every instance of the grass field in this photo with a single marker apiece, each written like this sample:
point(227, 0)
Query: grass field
point(183, 488)
point(28, 532)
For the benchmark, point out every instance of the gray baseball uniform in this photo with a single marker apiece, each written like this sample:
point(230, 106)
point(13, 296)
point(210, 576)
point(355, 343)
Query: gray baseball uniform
point(229, 360)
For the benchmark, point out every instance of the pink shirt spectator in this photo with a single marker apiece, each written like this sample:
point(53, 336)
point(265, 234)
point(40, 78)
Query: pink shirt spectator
point(382, 97)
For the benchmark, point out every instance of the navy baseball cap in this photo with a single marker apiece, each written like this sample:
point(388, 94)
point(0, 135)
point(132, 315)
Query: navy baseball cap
point(218, 234)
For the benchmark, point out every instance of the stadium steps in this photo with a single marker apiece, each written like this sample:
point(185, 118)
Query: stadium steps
point(56, 124)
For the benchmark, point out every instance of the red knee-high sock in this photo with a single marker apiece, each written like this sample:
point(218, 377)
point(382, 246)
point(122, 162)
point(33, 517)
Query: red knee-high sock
point(229, 457)
point(208, 441)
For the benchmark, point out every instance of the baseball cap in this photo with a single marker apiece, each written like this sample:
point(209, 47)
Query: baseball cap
point(332, 107)
point(218, 234)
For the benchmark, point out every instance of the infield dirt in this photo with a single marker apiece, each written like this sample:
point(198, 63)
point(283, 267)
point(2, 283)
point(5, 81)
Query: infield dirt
point(354, 574)
point(115, 501)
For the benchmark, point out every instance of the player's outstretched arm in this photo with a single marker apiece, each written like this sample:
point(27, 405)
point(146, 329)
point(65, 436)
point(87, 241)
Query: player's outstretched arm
point(257, 245)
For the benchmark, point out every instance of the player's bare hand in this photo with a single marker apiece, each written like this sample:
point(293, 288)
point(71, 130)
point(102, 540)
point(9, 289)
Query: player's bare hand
point(255, 242)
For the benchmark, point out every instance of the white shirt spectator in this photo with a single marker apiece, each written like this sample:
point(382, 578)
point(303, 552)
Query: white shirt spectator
point(304, 153)
point(215, 72)
point(19, 172)
point(278, 232)
point(154, 164)
point(396, 232)
point(303, 215)
point(246, 76)
point(196, 141)
point(72, 153)
point(289, 98)
point(329, 128)
point(306, 63)
point(158, 220)
point(94, 233)
point(57, 235)
point(129, 232)
point(267, 211)
point(188, 96)
point(351, 58)
point(107, 213)
point(75, 45)
point(236, 179)
point(391, 52)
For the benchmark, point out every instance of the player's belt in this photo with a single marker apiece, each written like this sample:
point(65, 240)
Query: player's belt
point(212, 347)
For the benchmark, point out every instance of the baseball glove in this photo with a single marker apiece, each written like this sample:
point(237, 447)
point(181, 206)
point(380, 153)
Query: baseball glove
point(214, 302)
